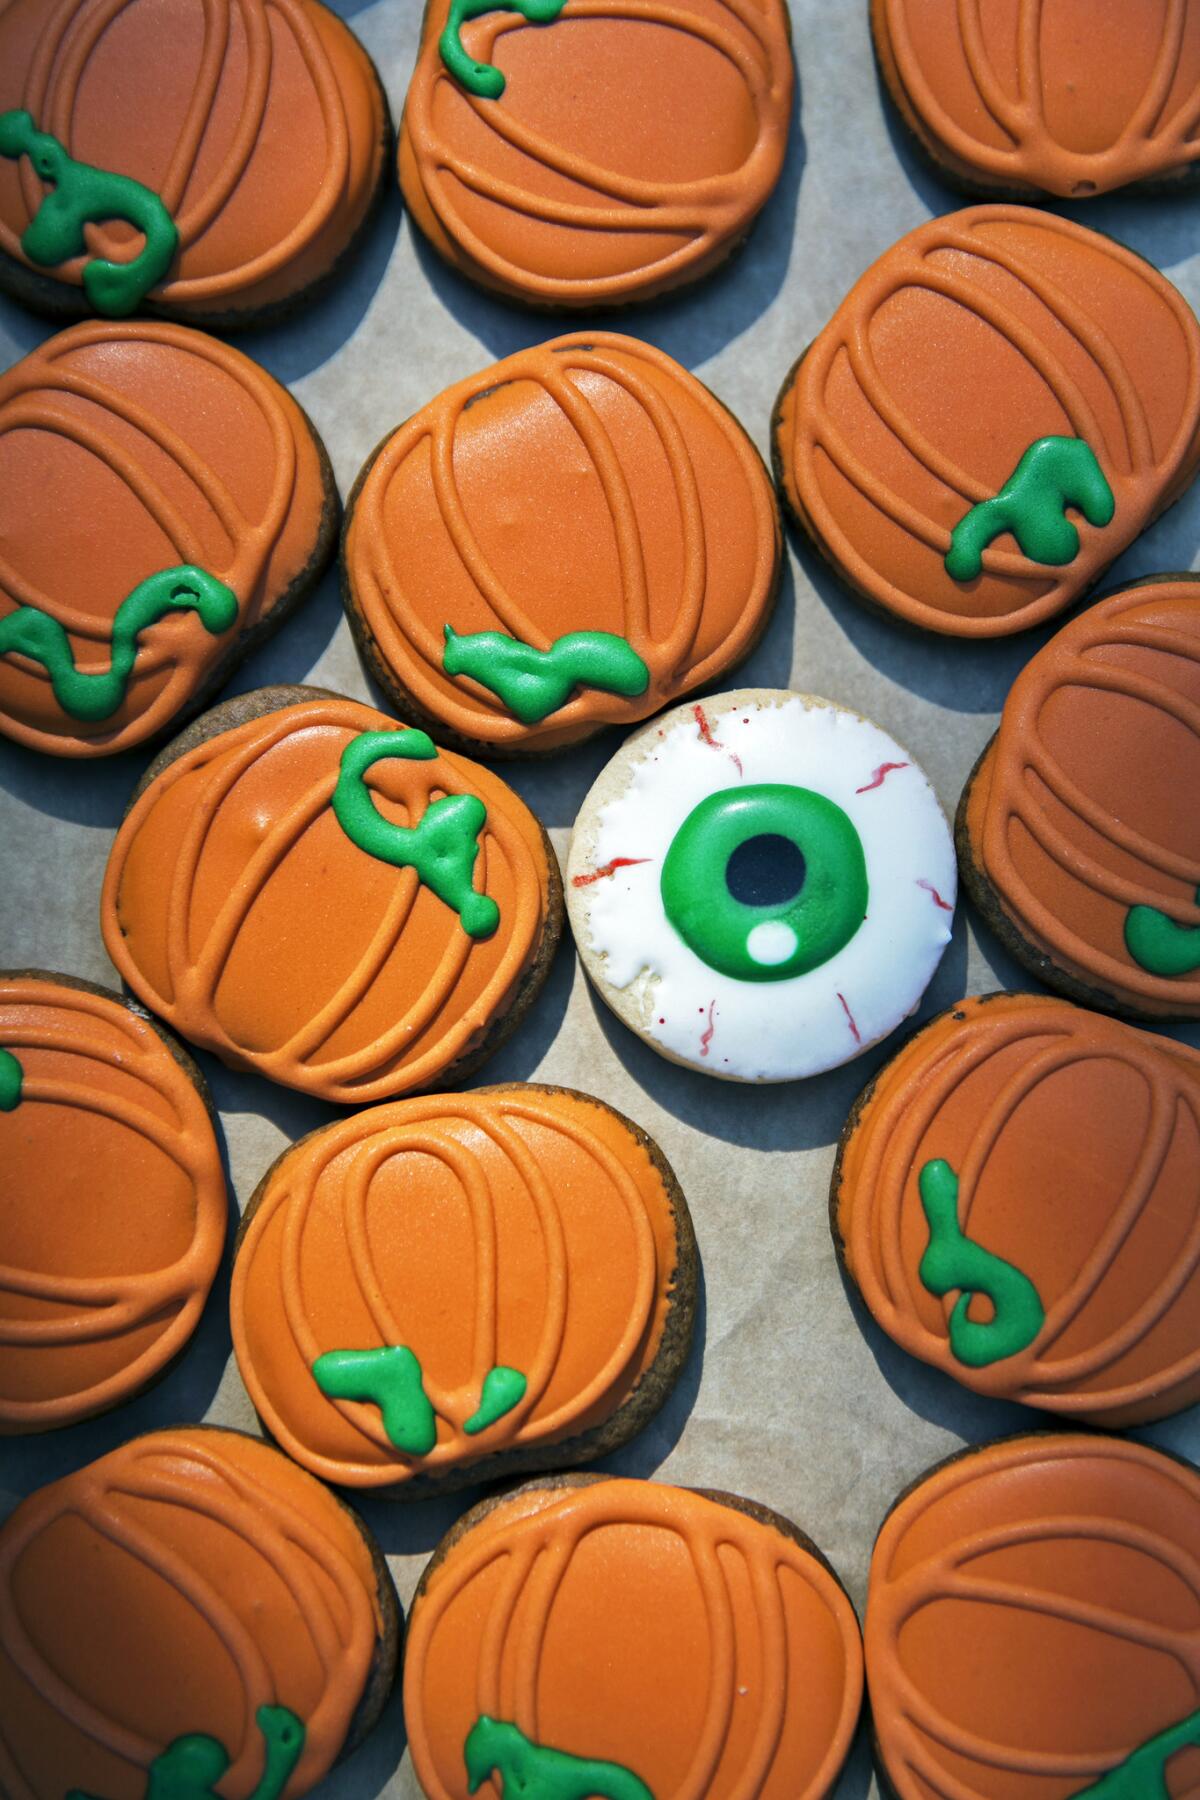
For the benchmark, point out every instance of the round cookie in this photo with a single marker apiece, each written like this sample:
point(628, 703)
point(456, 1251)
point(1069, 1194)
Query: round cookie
point(574, 537)
point(630, 1640)
point(450, 1290)
point(199, 159)
point(996, 410)
point(761, 886)
point(573, 155)
point(114, 1213)
point(1033, 1625)
point(316, 894)
point(164, 505)
point(191, 1609)
point(1069, 99)
point(1077, 836)
point(1015, 1198)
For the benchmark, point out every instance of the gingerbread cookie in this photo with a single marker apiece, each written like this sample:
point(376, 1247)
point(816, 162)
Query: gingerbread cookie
point(567, 154)
point(630, 1640)
point(761, 886)
point(189, 1615)
point(316, 894)
point(164, 504)
point(1077, 835)
point(1058, 97)
point(114, 1213)
point(1033, 1625)
point(1016, 1199)
point(996, 410)
point(204, 160)
point(574, 537)
point(444, 1291)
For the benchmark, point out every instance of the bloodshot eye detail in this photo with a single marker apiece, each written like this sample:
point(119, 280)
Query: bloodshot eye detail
point(761, 886)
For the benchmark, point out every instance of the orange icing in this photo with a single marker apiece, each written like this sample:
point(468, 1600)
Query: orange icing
point(523, 1227)
point(1033, 1617)
point(640, 1624)
point(235, 905)
point(115, 1213)
point(972, 338)
point(259, 123)
point(1076, 1142)
point(588, 484)
point(1084, 805)
point(632, 147)
point(126, 449)
point(1073, 98)
point(173, 1587)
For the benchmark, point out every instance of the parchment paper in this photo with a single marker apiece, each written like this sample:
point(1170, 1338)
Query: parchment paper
point(792, 1394)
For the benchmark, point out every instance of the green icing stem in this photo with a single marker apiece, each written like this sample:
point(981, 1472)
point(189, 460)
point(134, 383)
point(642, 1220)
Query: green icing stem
point(532, 1772)
point(502, 1390)
point(190, 1767)
point(1143, 1776)
point(1054, 473)
point(1160, 944)
point(82, 195)
point(389, 1378)
point(442, 849)
point(95, 695)
point(12, 1079)
point(953, 1260)
point(534, 683)
point(482, 78)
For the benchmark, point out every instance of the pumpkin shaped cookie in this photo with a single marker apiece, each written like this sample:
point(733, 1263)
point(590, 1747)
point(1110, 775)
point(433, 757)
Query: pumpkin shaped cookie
point(442, 1291)
point(631, 1641)
point(996, 410)
point(191, 1614)
point(1017, 1199)
point(114, 1200)
point(164, 505)
point(571, 538)
point(314, 893)
point(203, 159)
point(1078, 837)
point(1033, 1625)
point(568, 153)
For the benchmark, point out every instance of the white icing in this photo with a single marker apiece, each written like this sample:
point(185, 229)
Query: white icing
point(771, 943)
point(786, 1029)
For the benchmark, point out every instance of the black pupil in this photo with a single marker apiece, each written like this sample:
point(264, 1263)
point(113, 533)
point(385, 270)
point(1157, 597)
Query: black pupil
point(766, 870)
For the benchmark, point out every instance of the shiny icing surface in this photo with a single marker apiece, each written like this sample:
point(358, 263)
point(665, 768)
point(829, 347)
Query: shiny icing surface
point(522, 1228)
point(1033, 1621)
point(641, 1625)
point(589, 483)
point(1071, 97)
point(237, 907)
point(1082, 810)
point(127, 449)
point(1076, 1142)
point(113, 1211)
point(972, 338)
point(631, 148)
point(258, 122)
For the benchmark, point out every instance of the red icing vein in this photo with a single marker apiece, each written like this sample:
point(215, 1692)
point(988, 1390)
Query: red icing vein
point(850, 1018)
point(609, 868)
point(880, 776)
point(937, 898)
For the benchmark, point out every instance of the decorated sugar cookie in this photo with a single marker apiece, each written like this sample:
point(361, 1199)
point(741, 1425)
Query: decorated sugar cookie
point(206, 160)
point(1033, 1625)
point(1077, 833)
point(761, 886)
point(164, 504)
point(629, 1641)
point(996, 410)
point(191, 1615)
point(1059, 97)
point(571, 538)
point(316, 894)
point(114, 1205)
point(1017, 1199)
point(447, 1290)
point(570, 156)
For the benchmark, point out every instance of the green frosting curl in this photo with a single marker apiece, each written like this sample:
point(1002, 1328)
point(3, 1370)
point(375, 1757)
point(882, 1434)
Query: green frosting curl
point(1054, 473)
point(483, 78)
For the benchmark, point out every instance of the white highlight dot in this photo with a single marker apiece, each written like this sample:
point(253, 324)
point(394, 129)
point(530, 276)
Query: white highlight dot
point(771, 943)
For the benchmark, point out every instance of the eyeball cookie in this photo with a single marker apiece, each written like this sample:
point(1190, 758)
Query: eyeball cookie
point(761, 886)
